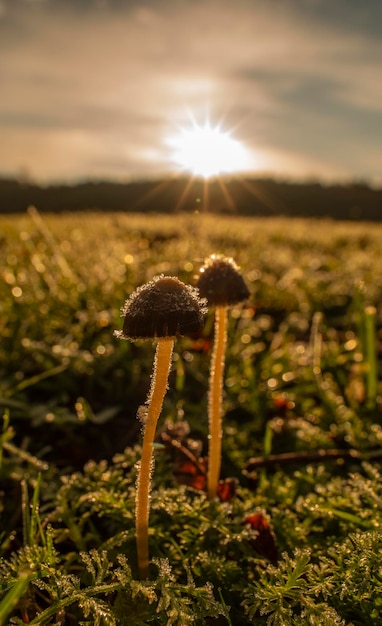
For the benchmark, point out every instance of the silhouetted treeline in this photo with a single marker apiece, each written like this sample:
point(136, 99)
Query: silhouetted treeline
point(249, 196)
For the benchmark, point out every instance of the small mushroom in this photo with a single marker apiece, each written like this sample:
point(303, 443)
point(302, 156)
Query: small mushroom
point(162, 309)
point(222, 285)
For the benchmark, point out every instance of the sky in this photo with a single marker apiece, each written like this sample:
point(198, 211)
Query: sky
point(98, 89)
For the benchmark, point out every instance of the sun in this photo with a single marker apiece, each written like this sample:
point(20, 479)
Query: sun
point(208, 151)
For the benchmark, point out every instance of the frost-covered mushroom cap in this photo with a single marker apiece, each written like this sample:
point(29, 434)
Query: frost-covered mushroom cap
point(220, 281)
point(164, 307)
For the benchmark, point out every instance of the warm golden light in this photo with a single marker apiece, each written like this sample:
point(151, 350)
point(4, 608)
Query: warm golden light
point(208, 151)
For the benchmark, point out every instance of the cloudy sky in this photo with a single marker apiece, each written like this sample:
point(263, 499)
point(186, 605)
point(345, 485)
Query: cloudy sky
point(95, 88)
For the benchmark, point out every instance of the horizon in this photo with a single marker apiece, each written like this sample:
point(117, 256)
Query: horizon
point(184, 177)
point(294, 84)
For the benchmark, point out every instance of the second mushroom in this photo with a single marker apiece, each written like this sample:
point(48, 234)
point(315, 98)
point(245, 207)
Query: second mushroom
point(221, 283)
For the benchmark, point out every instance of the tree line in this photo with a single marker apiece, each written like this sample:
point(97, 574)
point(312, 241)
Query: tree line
point(241, 196)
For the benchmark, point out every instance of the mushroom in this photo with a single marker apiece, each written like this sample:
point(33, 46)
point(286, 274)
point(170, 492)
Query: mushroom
point(161, 309)
point(222, 285)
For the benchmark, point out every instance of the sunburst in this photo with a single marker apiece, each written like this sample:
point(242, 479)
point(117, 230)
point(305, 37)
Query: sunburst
point(208, 151)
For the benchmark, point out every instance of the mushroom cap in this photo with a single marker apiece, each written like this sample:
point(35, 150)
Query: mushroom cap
point(164, 307)
point(220, 281)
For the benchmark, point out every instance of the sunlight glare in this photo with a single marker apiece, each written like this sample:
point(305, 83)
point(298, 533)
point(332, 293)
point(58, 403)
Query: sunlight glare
point(208, 151)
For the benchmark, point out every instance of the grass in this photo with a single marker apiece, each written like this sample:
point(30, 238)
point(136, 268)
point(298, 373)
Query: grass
point(299, 541)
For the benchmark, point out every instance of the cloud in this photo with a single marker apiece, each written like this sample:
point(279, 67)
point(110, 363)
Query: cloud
point(101, 88)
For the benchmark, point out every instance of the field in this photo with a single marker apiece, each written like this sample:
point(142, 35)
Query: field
point(296, 535)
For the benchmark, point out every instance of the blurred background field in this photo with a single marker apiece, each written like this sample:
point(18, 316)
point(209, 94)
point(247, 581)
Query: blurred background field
point(73, 389)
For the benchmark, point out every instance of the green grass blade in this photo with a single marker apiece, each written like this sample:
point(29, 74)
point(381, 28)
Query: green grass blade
point(371, 356)
point(11, 599)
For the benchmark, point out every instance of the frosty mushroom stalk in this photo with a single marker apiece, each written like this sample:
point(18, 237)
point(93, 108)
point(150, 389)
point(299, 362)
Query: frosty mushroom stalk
point(162, 309)
point(222, 285)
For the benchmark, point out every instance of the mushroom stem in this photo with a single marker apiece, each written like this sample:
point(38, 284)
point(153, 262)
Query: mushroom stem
point(215, 400)
point(156, 395)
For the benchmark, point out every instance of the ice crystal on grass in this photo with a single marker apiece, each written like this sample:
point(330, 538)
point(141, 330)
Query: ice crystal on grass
point(343, 587)
point(279, 589)
point(357, 575)
point(97, 564)
point(184, 604)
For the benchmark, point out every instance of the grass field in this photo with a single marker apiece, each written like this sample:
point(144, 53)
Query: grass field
point(300, 540)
